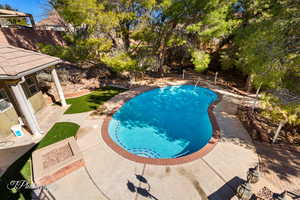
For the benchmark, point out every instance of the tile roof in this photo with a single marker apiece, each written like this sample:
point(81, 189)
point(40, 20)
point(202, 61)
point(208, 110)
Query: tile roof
point(53, 19)
point(14, 61)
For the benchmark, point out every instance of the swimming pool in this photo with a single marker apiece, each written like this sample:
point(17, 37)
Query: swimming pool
point(164, 123)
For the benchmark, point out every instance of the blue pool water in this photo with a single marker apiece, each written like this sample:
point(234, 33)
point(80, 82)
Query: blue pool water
point(167, 122)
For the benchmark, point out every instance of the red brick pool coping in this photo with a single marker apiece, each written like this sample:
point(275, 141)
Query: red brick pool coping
point(169, 161)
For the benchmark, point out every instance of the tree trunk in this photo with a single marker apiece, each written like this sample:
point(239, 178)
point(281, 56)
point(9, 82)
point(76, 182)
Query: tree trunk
point(249, 80)
point(126, 40)
point(115, 44)
point(163, 46)
point(126, 36)
point(161, 62)
point(281, 125)
point(161, 57)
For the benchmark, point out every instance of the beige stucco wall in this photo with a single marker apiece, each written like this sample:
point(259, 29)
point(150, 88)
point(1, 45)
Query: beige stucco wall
point(8, 118)
point(37, 101)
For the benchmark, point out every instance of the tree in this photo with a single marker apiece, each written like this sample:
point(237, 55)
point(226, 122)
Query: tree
point(6, 7)
point(145, 31)
point(267, 42)
point(103, 29)
point(152, 27)
point(191, 24)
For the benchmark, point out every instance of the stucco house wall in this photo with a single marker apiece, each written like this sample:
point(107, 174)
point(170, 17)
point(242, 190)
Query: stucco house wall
point(10, 116)
point(37, 101)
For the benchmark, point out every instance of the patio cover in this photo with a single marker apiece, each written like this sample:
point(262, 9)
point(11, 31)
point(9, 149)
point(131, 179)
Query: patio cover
point(17, 62)
point(4, 13)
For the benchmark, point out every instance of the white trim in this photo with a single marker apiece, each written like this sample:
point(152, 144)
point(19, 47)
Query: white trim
point(58, 87)
point(26, 109)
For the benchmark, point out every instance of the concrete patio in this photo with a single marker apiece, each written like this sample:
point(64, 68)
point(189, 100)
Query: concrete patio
point(11, 148)
point(107, 175)
point(14, 147)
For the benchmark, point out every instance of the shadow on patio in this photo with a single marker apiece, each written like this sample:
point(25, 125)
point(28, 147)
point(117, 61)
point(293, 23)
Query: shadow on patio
point(280, 166)
point(228, 190)
point(18, 171)
point(139, 190)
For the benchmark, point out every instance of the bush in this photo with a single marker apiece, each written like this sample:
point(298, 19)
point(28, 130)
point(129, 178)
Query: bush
point(200, 59)
point(277, 111)
point(120, 62)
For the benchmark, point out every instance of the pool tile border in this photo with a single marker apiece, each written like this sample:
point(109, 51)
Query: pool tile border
point(170, 161)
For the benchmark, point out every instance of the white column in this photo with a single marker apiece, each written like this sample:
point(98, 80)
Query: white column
point(26, 110)
point(58, 87)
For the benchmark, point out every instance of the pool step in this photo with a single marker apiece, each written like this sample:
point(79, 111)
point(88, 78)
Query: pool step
point(149, 153)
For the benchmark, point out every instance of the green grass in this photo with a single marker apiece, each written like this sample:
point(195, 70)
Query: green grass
point(58, 132)
point(21, 169)
point(91, 101)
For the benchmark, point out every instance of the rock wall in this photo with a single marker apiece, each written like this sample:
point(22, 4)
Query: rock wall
point(29, 38)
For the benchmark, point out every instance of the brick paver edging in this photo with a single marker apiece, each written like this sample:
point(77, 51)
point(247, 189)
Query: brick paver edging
point(60, 173)
point(169, 161)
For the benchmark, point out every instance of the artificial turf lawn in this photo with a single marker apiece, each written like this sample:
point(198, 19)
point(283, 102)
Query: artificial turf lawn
point(58, 132)
point(21, 169)
point(91, 101)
